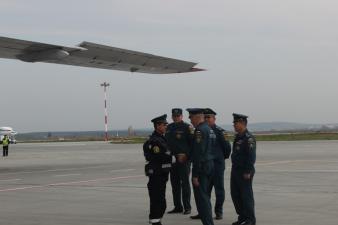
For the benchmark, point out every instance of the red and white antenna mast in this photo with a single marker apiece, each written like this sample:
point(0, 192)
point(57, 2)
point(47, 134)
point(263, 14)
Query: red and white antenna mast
point(105, 85)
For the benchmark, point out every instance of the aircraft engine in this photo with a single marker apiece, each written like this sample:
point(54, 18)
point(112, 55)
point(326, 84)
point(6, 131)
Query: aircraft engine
point(42, 56)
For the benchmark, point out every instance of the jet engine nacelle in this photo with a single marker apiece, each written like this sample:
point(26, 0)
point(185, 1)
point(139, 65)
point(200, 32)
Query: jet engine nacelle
point(45, 55)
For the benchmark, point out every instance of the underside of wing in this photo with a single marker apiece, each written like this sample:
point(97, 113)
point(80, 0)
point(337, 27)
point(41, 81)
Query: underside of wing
point(93, 55)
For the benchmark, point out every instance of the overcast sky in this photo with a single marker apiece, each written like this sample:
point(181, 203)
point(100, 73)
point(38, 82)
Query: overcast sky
point(272, 60)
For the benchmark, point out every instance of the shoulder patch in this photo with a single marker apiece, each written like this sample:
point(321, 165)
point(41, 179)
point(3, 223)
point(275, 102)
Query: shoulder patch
point(251, 140)
point(198, 136)
point(219, 128)
point(156, 149)
point(225, 134)
point(251, 143)
point(191, 129)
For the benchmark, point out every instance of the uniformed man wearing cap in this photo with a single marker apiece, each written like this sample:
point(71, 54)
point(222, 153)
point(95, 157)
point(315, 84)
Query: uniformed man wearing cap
point(203, 164)
point(159, 160)
point(221, 151)
point(179, 136)
point(243, 158)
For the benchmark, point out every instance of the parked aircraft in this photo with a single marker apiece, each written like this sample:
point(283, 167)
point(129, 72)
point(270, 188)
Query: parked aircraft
point(8, 131)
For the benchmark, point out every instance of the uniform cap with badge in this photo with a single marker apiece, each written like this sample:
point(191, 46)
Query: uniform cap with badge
point(239, 117)
point(176, 111)
point(160, 119)
point(208, 111)
point(195, 111)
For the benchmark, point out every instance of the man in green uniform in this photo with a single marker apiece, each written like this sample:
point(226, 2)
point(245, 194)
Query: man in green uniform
point(243, 158)
point(179, 136)
point(203, 164)
point(159, 160)
point(5, 144)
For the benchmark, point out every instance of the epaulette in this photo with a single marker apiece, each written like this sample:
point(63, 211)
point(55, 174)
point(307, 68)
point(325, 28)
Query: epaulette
point(219, 128)
point(191, 129)
point(249, 135)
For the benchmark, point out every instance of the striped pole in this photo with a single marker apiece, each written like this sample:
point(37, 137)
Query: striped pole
point(105, 85)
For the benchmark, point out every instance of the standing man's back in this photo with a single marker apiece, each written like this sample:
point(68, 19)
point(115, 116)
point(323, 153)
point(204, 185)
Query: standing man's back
point(179, 135)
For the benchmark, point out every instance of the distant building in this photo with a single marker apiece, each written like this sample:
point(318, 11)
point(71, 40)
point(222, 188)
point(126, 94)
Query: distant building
point(131, 131)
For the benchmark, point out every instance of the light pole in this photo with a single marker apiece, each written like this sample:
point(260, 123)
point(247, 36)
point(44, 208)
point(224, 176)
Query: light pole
point(105, 85)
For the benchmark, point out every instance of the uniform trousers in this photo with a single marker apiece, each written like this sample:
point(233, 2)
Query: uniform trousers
point(5, 150)
point(156, 190)
point(202, 193)
point(180, 184)
point(242, 195)
point(218, 184)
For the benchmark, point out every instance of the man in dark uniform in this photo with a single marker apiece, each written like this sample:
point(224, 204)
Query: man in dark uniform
point(179, 136)
point(159, 159)
point(243, 159)
point(203, 164)
point(221, 151)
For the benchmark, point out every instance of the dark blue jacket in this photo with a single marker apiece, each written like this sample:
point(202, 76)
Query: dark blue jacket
point(244, 152)
point(222, 147)
point(157, 155)
point(203, 140)
point(179, 136)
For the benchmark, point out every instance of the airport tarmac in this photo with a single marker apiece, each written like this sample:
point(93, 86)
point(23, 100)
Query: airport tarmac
point(96, 183)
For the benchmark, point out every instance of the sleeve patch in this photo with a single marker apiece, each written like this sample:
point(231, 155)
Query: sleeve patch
point(156, 149)
point(191, 129)
point(225, 135)
point(251, 141)
point(198, 136)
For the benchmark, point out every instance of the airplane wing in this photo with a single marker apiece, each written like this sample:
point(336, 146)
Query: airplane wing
point(89, 54)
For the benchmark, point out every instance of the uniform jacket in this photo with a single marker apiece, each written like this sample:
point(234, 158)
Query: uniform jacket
point(5, 141)
point(157, 155)
point(244, 152)
point(204, 139)
point(222, 147)
point(179, 136)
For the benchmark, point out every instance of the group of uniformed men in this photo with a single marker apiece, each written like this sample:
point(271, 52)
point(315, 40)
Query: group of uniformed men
point(171, 149)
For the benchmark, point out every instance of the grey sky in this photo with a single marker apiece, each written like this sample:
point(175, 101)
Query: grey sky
point(273, 60)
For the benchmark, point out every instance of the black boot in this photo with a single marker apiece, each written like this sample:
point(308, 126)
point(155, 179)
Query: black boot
point(219, 216)
point(175, 211)
point(158, 223)
point(196, 217)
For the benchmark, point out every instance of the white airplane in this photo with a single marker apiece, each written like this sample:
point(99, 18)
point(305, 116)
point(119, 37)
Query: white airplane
point(8, 131)
point(89, 54)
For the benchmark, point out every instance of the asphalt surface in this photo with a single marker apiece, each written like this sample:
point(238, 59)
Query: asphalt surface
point(99, 183)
